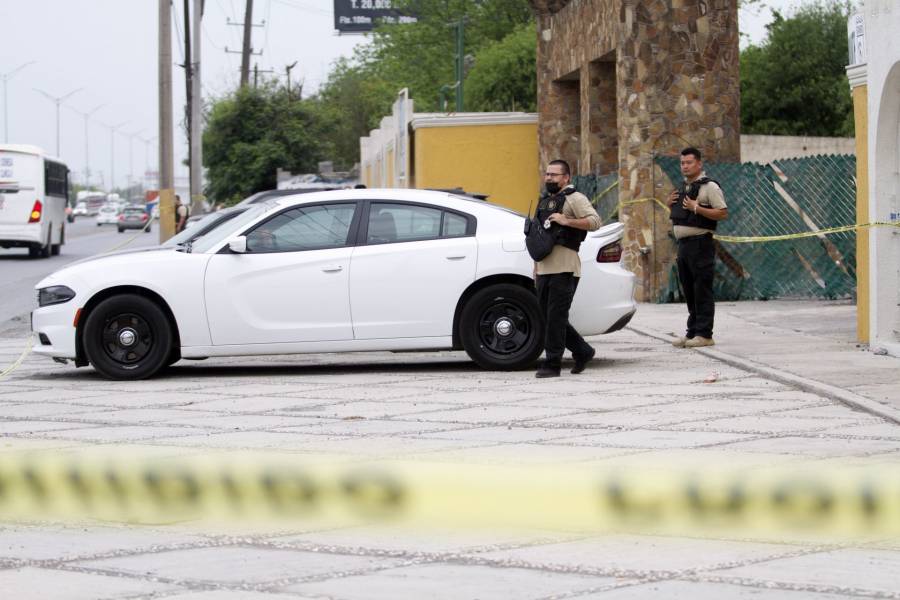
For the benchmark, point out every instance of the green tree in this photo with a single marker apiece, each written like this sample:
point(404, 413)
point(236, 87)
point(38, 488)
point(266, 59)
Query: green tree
point(794, 82)
point(252, 132)
point(504, 76)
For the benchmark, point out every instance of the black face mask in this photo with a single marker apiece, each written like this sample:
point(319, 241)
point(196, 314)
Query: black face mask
point(552, 187)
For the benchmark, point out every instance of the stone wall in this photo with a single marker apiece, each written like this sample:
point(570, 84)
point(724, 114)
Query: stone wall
point(651, 77)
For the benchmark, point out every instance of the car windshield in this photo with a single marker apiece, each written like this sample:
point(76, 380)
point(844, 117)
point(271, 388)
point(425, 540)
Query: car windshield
point(133, 211)
point(205, 225)
point(230, 228)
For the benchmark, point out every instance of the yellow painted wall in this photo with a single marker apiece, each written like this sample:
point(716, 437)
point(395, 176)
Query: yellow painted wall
point(389, 177)
point(498, 160)
point(861, 121)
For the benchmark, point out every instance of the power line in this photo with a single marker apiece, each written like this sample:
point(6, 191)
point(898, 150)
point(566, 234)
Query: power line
point(304, 7)
point(180, 43)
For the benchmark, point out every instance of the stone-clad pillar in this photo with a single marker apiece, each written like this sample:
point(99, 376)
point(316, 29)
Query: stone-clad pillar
point(599, 131)
point(676, 84)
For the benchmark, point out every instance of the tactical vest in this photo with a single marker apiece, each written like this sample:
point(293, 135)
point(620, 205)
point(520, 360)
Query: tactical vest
point(564, 236)
point(682, 216)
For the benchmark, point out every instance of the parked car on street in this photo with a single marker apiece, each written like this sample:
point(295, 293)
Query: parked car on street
point(339, 271)
point(108, 214)
point(133, 217)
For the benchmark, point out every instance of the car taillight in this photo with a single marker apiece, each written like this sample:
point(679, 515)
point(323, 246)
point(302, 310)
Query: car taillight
point(144, 217)
point(121, 217)
point(36, 210)
point(610, 253)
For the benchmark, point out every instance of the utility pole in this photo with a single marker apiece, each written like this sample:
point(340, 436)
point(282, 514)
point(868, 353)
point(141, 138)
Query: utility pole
point(6, 77)
point(58, 100)
point(287, 70)
point(246, 50)
point(87, 155)
point(196, 124)
point(112, 152)
point(166, 152)
point(257, 71)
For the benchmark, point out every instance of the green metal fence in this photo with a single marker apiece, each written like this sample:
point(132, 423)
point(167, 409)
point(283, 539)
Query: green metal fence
point(785, 197)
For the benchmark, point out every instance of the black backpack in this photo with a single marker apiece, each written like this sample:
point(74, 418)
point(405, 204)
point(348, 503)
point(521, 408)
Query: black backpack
point(539, 240)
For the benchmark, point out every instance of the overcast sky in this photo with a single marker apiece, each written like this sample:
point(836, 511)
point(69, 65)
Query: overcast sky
point(109, 49)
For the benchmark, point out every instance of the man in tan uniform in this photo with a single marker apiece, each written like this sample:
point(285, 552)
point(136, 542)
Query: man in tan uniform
point(556, 276)
point(696, 208)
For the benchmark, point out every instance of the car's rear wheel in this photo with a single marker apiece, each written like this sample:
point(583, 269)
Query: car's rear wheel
point(501, 327)
point(127, 337)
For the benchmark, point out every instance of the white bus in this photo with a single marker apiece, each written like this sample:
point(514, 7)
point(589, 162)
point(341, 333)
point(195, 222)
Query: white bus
point(34, 193)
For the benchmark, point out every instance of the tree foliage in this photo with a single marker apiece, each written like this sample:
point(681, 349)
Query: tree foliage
point(794, 83)
point(254, 131)
point(505, 75)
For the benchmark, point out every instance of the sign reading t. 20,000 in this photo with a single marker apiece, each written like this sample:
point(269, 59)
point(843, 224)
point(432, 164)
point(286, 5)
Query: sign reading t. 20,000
point(360, 16)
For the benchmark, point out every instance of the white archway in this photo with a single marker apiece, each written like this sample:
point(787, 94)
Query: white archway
point(884, 205)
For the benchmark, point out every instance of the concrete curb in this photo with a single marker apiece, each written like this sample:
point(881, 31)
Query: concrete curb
point(841, 395)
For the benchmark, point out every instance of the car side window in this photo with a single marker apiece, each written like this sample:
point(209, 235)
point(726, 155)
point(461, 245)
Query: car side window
point(390, 223)
point(303, 228)
point(454, 225)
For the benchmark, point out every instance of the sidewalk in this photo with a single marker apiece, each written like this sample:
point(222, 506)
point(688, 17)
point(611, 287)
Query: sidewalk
point(641, 402)
point(811, 343)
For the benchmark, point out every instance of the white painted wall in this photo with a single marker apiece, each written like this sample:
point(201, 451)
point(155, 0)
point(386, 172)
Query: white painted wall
point(882, 22)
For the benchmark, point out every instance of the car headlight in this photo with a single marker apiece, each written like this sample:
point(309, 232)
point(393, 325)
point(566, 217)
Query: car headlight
point(55, 294)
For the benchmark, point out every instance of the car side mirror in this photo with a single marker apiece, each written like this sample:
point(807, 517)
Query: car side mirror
point(238, 245)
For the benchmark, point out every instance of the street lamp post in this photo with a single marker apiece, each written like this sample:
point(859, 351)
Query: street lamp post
point(87, 157)
point(112, 152)
point(147, 142)
point(6, 77)
point(58, 100)
point(131, 137)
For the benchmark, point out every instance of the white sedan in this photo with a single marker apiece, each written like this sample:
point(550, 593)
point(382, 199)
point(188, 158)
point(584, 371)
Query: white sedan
point(338, 271)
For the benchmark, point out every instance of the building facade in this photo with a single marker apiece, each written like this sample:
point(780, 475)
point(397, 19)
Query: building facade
point(621, 82)
point(874, 75)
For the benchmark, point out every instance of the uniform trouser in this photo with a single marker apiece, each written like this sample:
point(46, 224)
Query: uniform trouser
point(555, 293)
point(696, 267)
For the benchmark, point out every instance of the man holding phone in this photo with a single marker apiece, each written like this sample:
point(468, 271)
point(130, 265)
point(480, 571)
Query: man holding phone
point(696, 208)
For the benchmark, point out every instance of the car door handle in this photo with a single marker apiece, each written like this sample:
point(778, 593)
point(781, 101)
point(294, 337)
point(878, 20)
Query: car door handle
point(456, 257)
point(334, 269)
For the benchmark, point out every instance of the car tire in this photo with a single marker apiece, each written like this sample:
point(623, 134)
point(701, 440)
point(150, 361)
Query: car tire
point(127, 337)
point(501, 327)
point(99, 224)
point(44, 250)
point(121, 230)
point(148, 230)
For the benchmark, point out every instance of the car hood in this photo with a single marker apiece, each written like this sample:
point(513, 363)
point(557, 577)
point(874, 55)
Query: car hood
point(73, 267)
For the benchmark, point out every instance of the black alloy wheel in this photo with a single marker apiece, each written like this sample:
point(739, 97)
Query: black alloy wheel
point(127, 337)
point(501, 327)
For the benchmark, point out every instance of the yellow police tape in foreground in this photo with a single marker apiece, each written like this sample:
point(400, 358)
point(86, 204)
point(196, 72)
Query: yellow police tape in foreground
point(250, 488)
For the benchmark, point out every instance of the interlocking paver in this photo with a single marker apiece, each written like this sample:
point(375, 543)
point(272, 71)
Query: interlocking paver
point(638, 404)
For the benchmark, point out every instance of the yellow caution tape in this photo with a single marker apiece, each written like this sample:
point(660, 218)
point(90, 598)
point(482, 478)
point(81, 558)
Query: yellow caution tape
point(739, 239)
point(15, 365)
point(230, 489)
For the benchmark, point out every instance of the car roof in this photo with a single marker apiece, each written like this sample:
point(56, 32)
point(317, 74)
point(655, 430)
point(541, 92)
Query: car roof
point(383, 194)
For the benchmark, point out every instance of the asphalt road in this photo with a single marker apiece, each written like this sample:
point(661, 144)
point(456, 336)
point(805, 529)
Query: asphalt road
point(19, 273)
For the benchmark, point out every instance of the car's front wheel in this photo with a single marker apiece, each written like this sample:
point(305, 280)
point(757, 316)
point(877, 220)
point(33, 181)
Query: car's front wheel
point(127, 337)
point(501, 327)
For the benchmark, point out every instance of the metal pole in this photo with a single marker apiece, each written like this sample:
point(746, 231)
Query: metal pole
point(246, 50)
point(57, 100)
point(460, 62)
point(6, 77)
point(197, 199)
point(166, 151)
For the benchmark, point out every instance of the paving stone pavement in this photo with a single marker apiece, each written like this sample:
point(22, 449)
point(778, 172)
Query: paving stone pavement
point(640, 400)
